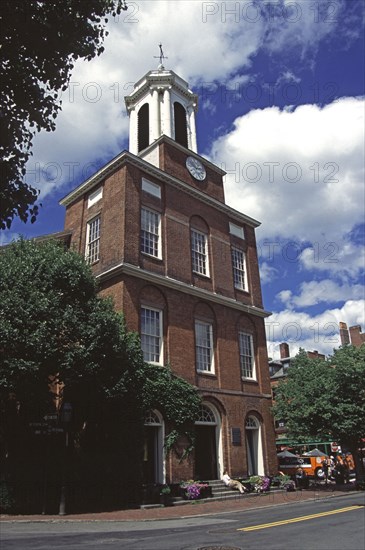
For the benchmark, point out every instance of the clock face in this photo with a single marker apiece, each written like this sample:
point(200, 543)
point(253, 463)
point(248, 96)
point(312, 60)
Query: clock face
point(196, 168)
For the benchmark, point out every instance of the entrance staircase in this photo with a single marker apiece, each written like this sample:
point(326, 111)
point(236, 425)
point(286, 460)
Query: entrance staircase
point(219, 492)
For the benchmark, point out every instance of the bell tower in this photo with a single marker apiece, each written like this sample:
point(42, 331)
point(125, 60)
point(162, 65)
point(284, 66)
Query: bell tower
point(161, 104)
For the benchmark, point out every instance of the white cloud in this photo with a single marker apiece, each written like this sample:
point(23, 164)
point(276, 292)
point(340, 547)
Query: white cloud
point(300, 24)
point(267, 273)
point(326, 291)
point(318, 332)
point(300, 172)
point(287, 77)
point(8, 237)
point(93, 124)
point(204, 43)
point(343, 258)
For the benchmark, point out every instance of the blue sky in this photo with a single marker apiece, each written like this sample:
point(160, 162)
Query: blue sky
point(281, 108)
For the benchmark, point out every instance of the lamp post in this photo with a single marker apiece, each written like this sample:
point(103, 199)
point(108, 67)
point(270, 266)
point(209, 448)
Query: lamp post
point(65, 417)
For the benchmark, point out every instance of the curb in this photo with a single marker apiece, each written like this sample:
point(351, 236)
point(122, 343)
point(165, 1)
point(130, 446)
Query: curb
point(165, 513)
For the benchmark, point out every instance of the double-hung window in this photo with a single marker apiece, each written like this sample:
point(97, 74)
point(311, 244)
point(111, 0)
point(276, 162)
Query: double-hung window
point(199, 252)
point(93, 241)
point(151, 335)
point(239, 271)
point(204, 346)
point(150, 232)
point(247, 361)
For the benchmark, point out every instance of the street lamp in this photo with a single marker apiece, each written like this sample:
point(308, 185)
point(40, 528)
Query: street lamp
point(65, 418)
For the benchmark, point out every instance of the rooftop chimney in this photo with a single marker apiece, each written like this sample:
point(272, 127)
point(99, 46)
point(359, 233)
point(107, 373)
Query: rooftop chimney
point(344, 334)
point(284, 350)
point(357, 337)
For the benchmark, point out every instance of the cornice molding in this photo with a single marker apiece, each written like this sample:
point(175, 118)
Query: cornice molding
point(126, 157)
point(135, 271)
point(211, 391)
point(159, 79)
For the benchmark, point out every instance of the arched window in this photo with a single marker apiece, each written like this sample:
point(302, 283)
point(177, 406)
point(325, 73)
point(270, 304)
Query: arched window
point(252, 423)
point(181, 133)
point(143, 127)
point(206, 416)
point(152, 419)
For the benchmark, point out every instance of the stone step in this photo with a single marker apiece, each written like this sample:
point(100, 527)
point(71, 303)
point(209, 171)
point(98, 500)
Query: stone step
point(219, 492)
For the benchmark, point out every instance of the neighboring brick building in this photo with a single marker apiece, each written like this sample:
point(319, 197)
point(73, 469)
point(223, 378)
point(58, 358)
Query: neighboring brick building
point(183, 268)
point(352, 335)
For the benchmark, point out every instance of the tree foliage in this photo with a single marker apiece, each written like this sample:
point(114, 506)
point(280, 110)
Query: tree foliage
point(325, 399)
point(40, 42)
point(54, 324)
point(178, 401)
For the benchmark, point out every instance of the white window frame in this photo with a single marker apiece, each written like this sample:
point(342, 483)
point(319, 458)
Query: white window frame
point(247, 357)
point(236, 230)
point(151, 188)
point(150, 241)
point(239, 268)
point(152, 340)
point(199, 252)
point(204, 347)
point(92, 252)
point(94, 197)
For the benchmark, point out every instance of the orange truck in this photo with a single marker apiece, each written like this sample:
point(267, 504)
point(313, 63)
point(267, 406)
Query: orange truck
point(312, 465)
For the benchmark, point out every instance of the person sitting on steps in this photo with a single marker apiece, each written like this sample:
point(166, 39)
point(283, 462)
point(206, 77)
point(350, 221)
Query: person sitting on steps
point(232, 483)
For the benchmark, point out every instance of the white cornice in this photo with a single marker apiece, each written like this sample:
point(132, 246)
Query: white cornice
point(136, 161)
point(135, 271)
point(160, 79)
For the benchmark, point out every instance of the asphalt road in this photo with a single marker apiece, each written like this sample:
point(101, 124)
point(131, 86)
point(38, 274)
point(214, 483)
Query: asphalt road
point(331, 524)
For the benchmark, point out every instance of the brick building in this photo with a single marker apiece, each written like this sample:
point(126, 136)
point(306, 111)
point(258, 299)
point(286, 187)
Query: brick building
point(183, 268)
point(352, 335)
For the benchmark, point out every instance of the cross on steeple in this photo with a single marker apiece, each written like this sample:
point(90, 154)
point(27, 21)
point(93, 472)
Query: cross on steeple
point(161, 57)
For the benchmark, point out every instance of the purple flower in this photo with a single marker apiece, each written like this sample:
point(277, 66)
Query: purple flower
point(193, 489)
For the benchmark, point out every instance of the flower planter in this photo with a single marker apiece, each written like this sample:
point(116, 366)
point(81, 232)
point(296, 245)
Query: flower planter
point(195, 490)
point(166, 500)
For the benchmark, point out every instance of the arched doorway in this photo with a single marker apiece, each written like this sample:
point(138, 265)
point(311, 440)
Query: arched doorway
point(208, 443)
point(255, 463)
point(153, 457)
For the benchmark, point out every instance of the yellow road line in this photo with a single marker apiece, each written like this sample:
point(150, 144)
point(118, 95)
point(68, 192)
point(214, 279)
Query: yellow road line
point(301, 518)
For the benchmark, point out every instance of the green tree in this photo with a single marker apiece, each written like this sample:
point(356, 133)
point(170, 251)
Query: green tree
point(54, 326)
point(40, 42)
point(325, 399)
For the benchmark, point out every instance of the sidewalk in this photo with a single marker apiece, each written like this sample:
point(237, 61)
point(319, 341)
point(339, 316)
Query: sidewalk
point(198, 508)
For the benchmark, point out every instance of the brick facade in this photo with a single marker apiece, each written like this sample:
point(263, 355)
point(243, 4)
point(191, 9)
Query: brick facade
point(168, 284)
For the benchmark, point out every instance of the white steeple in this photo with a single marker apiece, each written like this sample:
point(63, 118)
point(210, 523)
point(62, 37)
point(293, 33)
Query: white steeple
point(161, 103)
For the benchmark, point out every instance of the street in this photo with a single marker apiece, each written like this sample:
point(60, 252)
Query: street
point(330, 524)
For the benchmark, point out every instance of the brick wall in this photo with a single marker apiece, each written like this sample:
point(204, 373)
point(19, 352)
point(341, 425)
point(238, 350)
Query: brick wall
point(119, 209)
point(172, 161)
